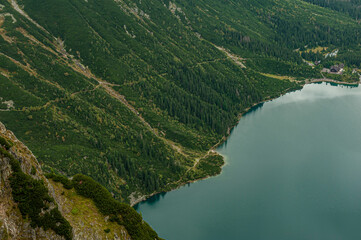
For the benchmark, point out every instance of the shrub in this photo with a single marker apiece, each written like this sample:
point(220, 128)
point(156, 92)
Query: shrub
point(5, 143)
point(67, 184)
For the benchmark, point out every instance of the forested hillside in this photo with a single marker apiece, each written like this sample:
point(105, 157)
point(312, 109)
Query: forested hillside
point(352, 7)
point(136, 93)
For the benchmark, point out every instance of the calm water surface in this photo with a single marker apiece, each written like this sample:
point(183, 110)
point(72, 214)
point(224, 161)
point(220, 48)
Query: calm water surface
point(293, 172)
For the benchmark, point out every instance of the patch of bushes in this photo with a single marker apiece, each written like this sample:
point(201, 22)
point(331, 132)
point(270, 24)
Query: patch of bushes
point(208, 166)
point(5, 143)
point(33, 170)
point(212, 164)
point(67, 184)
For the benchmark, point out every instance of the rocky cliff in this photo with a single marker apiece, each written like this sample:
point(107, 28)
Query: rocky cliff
point(85, 219)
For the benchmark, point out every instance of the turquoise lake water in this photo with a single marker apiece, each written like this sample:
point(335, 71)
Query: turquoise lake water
point(293, 171)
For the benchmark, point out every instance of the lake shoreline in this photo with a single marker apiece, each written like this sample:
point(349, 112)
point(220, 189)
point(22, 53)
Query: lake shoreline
point(136, 200)
point(271, 188)
point(328, 80)
point(142, 198)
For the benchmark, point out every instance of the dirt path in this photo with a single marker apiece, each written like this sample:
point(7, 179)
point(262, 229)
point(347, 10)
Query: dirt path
point(121, 98)
point(77, 66)
point(236, 59)
point(198, 159)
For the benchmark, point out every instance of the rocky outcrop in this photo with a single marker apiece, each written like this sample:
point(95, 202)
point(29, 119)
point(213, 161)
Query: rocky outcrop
point(81, 213)
point(12, 224)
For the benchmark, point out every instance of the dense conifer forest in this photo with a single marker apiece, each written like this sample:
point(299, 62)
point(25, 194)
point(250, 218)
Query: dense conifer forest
point(136, 93)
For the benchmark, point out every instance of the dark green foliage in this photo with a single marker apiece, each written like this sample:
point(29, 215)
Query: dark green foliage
point(33, 198)
point(107, 230)
point(313, 56)
point(67, 184)
point(211, 164)
point(167, 66)
point(15, 165)
point(352, 7)
point(207, 166)
point(345, 77)
point(129, 168)
point(5, 143)
point(33, 170)
point(349, 56)
point(273, 66)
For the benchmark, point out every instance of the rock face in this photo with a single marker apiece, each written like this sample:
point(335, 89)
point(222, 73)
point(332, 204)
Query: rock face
point(12, 224)
point(81, 213)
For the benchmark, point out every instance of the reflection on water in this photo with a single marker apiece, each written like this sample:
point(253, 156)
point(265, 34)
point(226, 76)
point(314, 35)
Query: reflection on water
point(155, 198)
point(341, 85)
point(152, 200)
point(255, 108)
point(319, 91)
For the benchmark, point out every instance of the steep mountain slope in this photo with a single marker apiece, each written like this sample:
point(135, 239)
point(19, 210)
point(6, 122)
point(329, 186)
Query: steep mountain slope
point(135, 93)
point(33, 207)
